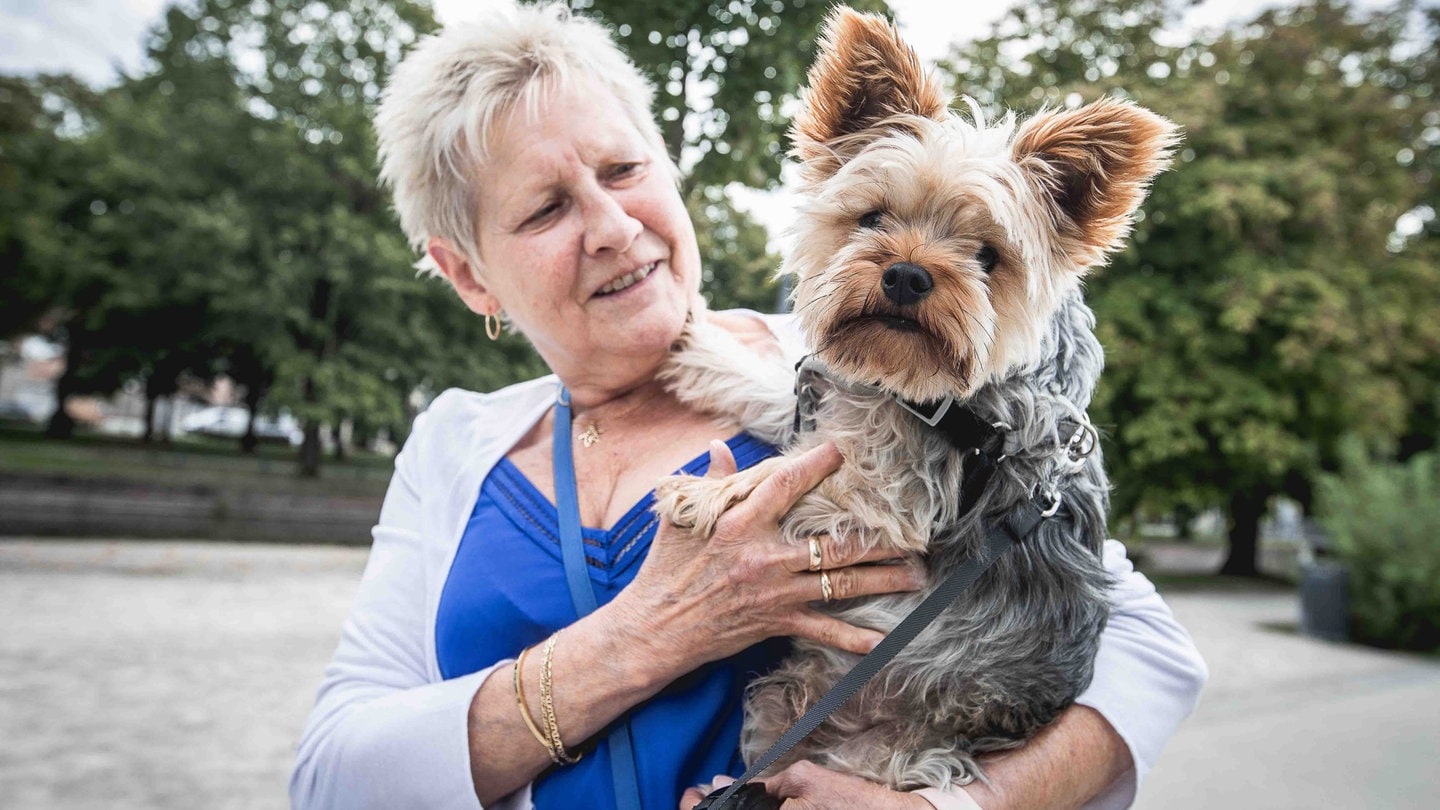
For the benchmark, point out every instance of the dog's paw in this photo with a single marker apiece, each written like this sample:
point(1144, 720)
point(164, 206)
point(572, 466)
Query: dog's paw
point(692, 503)
point(697, 504)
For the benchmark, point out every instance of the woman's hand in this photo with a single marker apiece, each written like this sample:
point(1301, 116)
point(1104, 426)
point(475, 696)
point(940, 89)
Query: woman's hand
point(699, 599)
point(807, 786)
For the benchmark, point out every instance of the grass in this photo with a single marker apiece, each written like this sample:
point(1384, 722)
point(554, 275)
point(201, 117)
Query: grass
point(187, 462)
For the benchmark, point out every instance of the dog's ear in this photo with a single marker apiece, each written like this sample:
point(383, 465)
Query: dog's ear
point(1095, 164)
point(865, 82)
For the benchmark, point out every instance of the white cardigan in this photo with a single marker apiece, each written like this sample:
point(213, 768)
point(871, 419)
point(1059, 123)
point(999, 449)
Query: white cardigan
point(387, 732)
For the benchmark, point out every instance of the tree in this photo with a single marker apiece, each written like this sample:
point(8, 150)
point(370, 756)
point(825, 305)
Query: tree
point(724, 76)
point(1264, 308)
point(310, 312)
point(40, 172)
point(739, 268)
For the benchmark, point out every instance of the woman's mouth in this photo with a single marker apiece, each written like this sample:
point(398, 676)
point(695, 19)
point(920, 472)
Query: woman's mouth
point(628, 280)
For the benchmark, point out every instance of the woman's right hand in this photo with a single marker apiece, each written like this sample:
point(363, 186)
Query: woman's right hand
point(698, 599)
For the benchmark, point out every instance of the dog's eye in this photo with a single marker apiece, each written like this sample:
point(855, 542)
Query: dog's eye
point(988, 257)
point(871, 220)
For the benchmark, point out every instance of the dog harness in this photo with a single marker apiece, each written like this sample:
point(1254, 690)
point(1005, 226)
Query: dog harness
point(967, 432)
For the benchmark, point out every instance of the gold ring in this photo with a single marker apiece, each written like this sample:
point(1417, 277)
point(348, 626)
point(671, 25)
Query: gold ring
point(815, 561)
point(826, 592)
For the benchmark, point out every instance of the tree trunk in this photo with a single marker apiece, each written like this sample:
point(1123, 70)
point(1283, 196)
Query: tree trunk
point(310, 450)
point(62, 425)
point(1301, 489)
point(148, 435)
point(1183, 516)
point(337, 433)
point(1247, 506)
point(250, 441)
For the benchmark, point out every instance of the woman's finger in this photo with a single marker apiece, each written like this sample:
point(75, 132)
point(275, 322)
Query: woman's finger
point(722, 461)
point(834, 554)
point(859, 580)
point(791, 480)
point(832, 632)
point(806, 785)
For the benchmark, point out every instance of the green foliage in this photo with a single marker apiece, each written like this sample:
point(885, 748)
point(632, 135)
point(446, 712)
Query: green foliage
point(219, 212)
point(739, 266)
point(38, 175)
point(750, 55)
point(1265, 305)
point(1385, 521)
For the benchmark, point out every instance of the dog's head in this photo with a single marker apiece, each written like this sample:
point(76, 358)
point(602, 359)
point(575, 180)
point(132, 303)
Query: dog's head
point(932, 251)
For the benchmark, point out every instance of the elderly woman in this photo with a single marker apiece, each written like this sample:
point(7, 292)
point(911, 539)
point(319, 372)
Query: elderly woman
point(525, 161)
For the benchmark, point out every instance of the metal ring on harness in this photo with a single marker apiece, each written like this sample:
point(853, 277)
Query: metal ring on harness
point(1083, 441)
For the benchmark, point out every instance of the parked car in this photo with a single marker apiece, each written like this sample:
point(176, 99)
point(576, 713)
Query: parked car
point(13, 410)
point(226, 422)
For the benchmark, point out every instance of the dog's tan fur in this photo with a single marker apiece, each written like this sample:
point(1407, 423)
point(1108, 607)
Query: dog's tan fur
point(889, 176)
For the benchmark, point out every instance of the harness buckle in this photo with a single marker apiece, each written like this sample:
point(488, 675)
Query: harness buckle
point(933, 418)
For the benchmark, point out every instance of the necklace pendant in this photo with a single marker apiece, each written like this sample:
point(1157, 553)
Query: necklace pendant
point(590, 436)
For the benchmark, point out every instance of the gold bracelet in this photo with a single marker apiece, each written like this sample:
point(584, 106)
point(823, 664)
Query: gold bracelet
point(525, 709)
point(547, 706)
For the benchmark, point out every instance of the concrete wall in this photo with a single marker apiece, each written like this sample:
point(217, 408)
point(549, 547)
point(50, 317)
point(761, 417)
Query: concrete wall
point(60, 506)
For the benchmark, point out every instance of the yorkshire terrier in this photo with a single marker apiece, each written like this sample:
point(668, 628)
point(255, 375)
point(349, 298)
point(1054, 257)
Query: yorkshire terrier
point(939, 262)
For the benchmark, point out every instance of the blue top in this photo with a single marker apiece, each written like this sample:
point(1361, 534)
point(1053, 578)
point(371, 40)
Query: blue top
point(507, 590)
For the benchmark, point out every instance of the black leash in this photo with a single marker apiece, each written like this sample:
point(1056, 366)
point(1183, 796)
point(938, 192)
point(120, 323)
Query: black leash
point(999, 538)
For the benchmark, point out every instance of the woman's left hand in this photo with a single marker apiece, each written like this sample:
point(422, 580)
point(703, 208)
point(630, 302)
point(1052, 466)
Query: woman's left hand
point(807, 786)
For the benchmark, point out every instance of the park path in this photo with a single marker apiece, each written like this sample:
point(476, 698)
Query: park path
point(1291, 722)
point(178, 675)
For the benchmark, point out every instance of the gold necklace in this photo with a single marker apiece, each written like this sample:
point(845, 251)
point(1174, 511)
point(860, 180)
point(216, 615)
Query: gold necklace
point(590, 436)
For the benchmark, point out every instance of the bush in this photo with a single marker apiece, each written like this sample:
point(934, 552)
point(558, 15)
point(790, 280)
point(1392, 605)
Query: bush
point(1384, 519)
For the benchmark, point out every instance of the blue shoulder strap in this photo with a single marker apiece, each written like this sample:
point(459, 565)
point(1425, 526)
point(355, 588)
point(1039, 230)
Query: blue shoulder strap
point(582, 593)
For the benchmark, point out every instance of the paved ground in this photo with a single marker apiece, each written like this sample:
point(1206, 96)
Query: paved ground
point(1290, 722)
point(174, 675)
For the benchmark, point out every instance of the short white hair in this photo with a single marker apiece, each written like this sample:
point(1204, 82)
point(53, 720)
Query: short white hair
point(444, 98)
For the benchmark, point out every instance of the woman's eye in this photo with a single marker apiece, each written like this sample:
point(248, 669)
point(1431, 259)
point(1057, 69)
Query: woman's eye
point(872, 219)
point(543, 213)
point(624, 170)
point(988, 258)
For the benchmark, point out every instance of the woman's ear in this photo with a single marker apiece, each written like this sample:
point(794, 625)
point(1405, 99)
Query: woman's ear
point(463, 276)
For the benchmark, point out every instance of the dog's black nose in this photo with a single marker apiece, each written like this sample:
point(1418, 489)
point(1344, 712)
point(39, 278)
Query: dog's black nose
point(905, 283)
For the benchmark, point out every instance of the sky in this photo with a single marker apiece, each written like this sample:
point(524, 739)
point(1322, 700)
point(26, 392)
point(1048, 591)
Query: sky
point(94, 38)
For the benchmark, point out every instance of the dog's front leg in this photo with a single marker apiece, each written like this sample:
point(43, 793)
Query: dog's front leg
point(695, 503)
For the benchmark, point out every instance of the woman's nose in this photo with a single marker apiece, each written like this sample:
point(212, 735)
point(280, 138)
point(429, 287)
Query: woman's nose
point(609, 226)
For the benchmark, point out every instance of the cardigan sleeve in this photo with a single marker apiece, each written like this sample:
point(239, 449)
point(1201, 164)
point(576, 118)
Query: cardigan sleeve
point(382, 733)
point(1148, 675)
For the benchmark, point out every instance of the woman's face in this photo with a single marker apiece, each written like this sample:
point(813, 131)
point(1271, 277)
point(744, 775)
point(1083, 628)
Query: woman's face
point(583, 238)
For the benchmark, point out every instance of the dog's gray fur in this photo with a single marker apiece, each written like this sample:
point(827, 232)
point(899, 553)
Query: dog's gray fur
point(1017, 647)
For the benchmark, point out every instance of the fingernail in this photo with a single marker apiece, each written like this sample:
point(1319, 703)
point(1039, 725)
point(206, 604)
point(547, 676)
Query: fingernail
point(875, 640)
point(722, 780)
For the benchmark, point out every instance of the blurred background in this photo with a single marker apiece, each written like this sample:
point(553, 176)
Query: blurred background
point(213, 337)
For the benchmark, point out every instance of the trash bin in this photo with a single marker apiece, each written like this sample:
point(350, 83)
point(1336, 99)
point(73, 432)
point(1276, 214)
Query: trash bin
point(1324, 594)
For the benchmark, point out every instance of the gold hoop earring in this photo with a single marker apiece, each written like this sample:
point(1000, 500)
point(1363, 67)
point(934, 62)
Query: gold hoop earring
point(492, 326)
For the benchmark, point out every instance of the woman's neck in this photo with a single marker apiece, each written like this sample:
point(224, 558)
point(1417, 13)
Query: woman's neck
point(645, 403)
